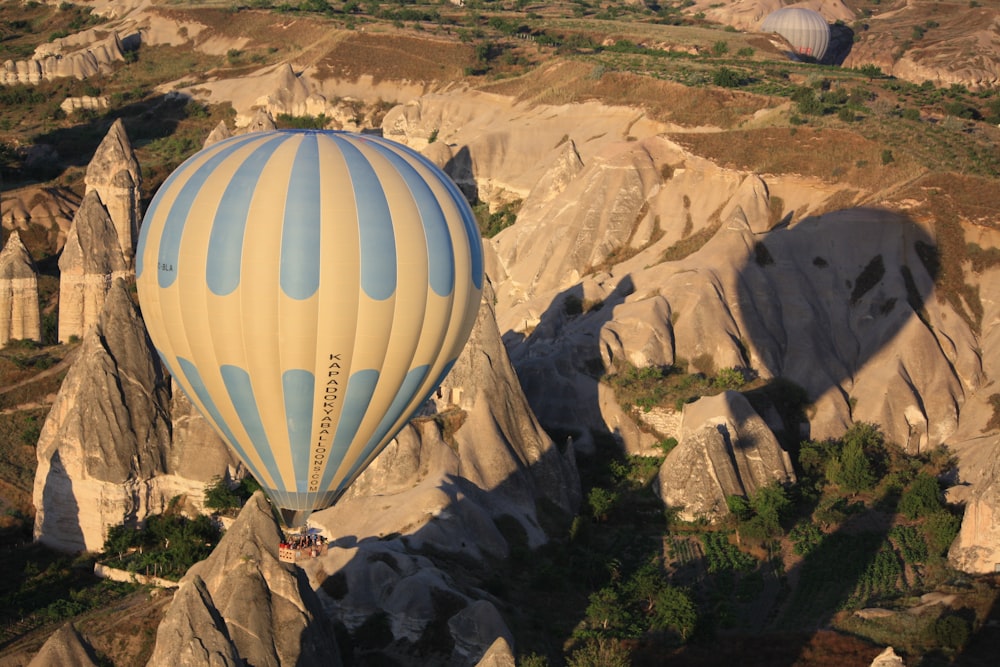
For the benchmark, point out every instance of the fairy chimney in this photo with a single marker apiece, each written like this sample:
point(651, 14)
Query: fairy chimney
point(91, 259)
point(19, 316)
point(114, 174)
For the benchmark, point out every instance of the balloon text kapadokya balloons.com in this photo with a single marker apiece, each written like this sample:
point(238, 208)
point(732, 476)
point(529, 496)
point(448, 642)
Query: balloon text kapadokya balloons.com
point(308, 290)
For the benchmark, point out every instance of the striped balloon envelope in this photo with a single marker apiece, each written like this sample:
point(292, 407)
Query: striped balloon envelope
point(308, 291)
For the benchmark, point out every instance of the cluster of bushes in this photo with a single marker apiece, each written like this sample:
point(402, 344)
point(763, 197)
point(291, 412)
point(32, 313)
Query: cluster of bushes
point(166, 545)
point(652, 386)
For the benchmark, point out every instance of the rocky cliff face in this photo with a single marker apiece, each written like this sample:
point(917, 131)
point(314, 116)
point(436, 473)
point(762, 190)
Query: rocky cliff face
point(19, 314)
point(91, 261)
point(242, 606)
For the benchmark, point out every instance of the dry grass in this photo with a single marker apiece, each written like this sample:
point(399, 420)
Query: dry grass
point(830, 154)
point(396, 57)
point(574, 81)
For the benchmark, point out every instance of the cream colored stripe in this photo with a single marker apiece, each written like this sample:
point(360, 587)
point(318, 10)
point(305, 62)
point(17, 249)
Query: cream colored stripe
point(337, 314)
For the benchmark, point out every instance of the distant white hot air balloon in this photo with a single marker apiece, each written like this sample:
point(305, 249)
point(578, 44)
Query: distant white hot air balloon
point(308, 290)
point(805, 29)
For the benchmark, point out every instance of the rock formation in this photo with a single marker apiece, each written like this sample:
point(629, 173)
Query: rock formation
point(105, 454)
point(50, 209)
point(115, 175)
point(475, 460)
point(888, 658)
point(19, 314)
point(55, 60)
point(243, 606)
point(725, 449)
point(107, 435)
point(91, 261)
point(65, 648)
point(197, 452)
point(976, 550)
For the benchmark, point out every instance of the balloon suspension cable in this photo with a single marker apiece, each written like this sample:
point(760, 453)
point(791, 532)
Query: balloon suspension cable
point(294, 519)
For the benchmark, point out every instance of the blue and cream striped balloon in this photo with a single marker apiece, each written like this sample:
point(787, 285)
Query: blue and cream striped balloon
point(308, 290)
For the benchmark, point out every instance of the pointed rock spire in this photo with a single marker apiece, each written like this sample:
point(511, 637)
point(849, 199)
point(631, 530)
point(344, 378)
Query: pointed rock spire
point(107, 435)
point(65, 648)
point(19, 315)
point(115, 175)
point(91, 260)
point(220, 132)
point(266, 607)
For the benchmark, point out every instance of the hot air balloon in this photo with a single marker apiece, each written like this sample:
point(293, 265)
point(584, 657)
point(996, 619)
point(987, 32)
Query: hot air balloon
point(308, 291)
point(805, 29)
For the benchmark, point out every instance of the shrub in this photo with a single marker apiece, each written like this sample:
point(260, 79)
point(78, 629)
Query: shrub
point(726, 78)
point(921, 498)
point(951, 631)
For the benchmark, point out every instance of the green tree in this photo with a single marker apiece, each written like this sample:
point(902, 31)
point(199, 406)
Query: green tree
point(674, 611)
point(601, 502)
point(606, 610)
point(601, 652)
point(921, 498)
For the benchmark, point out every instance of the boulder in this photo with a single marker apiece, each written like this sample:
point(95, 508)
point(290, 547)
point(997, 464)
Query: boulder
point(19, 313)
point(725, 449)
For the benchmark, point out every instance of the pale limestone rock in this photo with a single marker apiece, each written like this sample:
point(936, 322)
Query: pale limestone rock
point(498, 655)
point(91, 261)
point(261, 121)
point(242, 605)
point(84, 103)
point(62, 58)
point(725, 449)
point(976, 550)
point(888, 658)
point(65, 648)
point(638, 333)
point(192, 632)
point(115, 175)
point(19, 313)
point(198, 453)
point(218, 133)
point(106, 437)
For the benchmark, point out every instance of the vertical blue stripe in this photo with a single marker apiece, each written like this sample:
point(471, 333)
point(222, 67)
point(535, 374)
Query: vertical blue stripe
point(440, 252)
point(177, 216)
point(357, 398)
point(194, 379)
point(298, 386)
point(407, 390)
point(300, 233)
point(240, 390)
point(378, 242)
point(472, 234)
point(225, 243)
